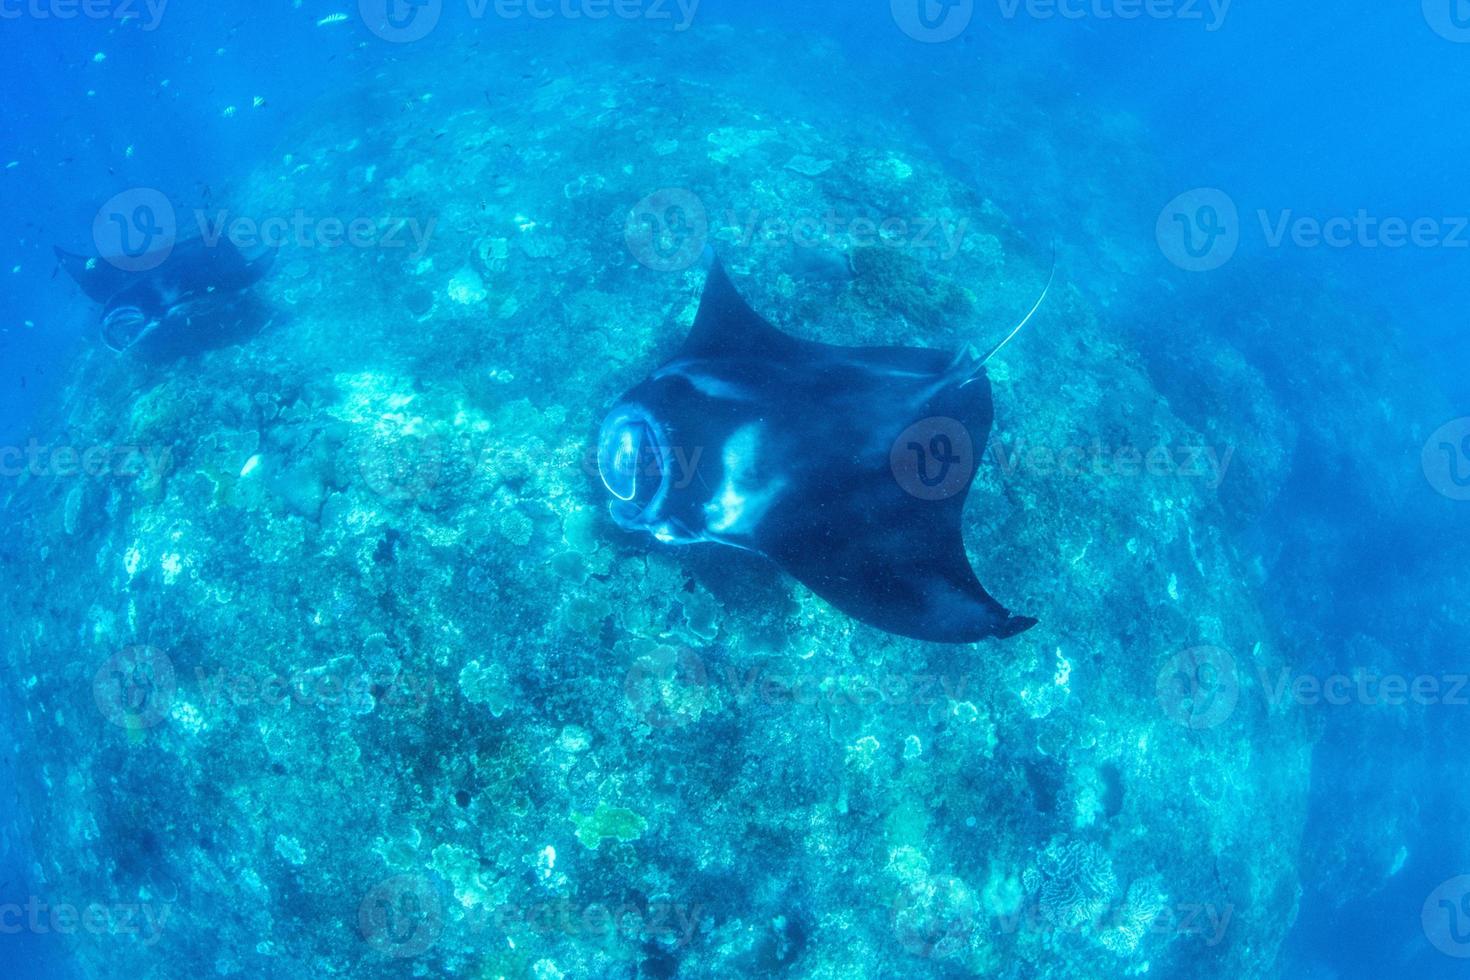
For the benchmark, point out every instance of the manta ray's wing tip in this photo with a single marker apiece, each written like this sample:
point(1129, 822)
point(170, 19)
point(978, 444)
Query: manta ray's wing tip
point(1014, 626)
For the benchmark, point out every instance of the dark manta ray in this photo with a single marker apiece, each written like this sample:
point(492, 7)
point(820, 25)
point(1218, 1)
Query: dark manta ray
point(194, 299)
point(846, 466)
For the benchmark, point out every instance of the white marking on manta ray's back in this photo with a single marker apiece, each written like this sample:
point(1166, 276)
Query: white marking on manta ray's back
point(704, 383)
point(890, 372)
point(738, 505)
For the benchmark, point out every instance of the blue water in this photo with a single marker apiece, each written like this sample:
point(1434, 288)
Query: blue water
point(1319, 110)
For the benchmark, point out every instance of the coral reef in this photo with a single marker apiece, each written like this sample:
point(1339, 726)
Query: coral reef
point(1073, 883)
point(352, 650)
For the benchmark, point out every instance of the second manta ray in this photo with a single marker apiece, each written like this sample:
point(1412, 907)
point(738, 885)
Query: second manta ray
point(194, 297)
point(846, 466)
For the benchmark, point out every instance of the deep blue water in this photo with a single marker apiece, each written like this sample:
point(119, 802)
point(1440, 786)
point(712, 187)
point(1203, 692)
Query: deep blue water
point(1320, 111)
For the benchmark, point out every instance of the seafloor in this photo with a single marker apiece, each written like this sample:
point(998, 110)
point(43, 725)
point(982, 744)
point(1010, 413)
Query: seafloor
point(401, 700)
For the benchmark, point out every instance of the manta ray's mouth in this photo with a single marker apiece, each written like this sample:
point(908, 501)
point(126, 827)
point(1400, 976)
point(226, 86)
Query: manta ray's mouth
point(631, 457)
point(125, 326)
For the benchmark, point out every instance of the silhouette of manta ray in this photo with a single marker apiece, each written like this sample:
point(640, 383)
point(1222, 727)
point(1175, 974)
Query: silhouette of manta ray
point(194, 298)
point(846, 466)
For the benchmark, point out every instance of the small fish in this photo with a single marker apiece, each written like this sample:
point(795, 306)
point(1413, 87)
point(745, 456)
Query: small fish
point(331, 19)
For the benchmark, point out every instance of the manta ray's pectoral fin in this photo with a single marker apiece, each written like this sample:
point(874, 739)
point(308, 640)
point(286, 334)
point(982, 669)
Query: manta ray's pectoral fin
point(99, 279)
point(897, 564)
point(234, 268)
point(257, 267)
point(726, 326)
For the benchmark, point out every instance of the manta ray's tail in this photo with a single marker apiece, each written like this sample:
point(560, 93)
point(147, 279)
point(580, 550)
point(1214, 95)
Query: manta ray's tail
point(969, 366)
point(1027, 319)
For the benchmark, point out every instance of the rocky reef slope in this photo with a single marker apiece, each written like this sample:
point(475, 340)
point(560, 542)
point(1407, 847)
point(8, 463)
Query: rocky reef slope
point(346, 671)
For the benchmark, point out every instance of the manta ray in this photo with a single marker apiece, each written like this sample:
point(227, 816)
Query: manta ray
point(194, 298)
point(848, 467)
